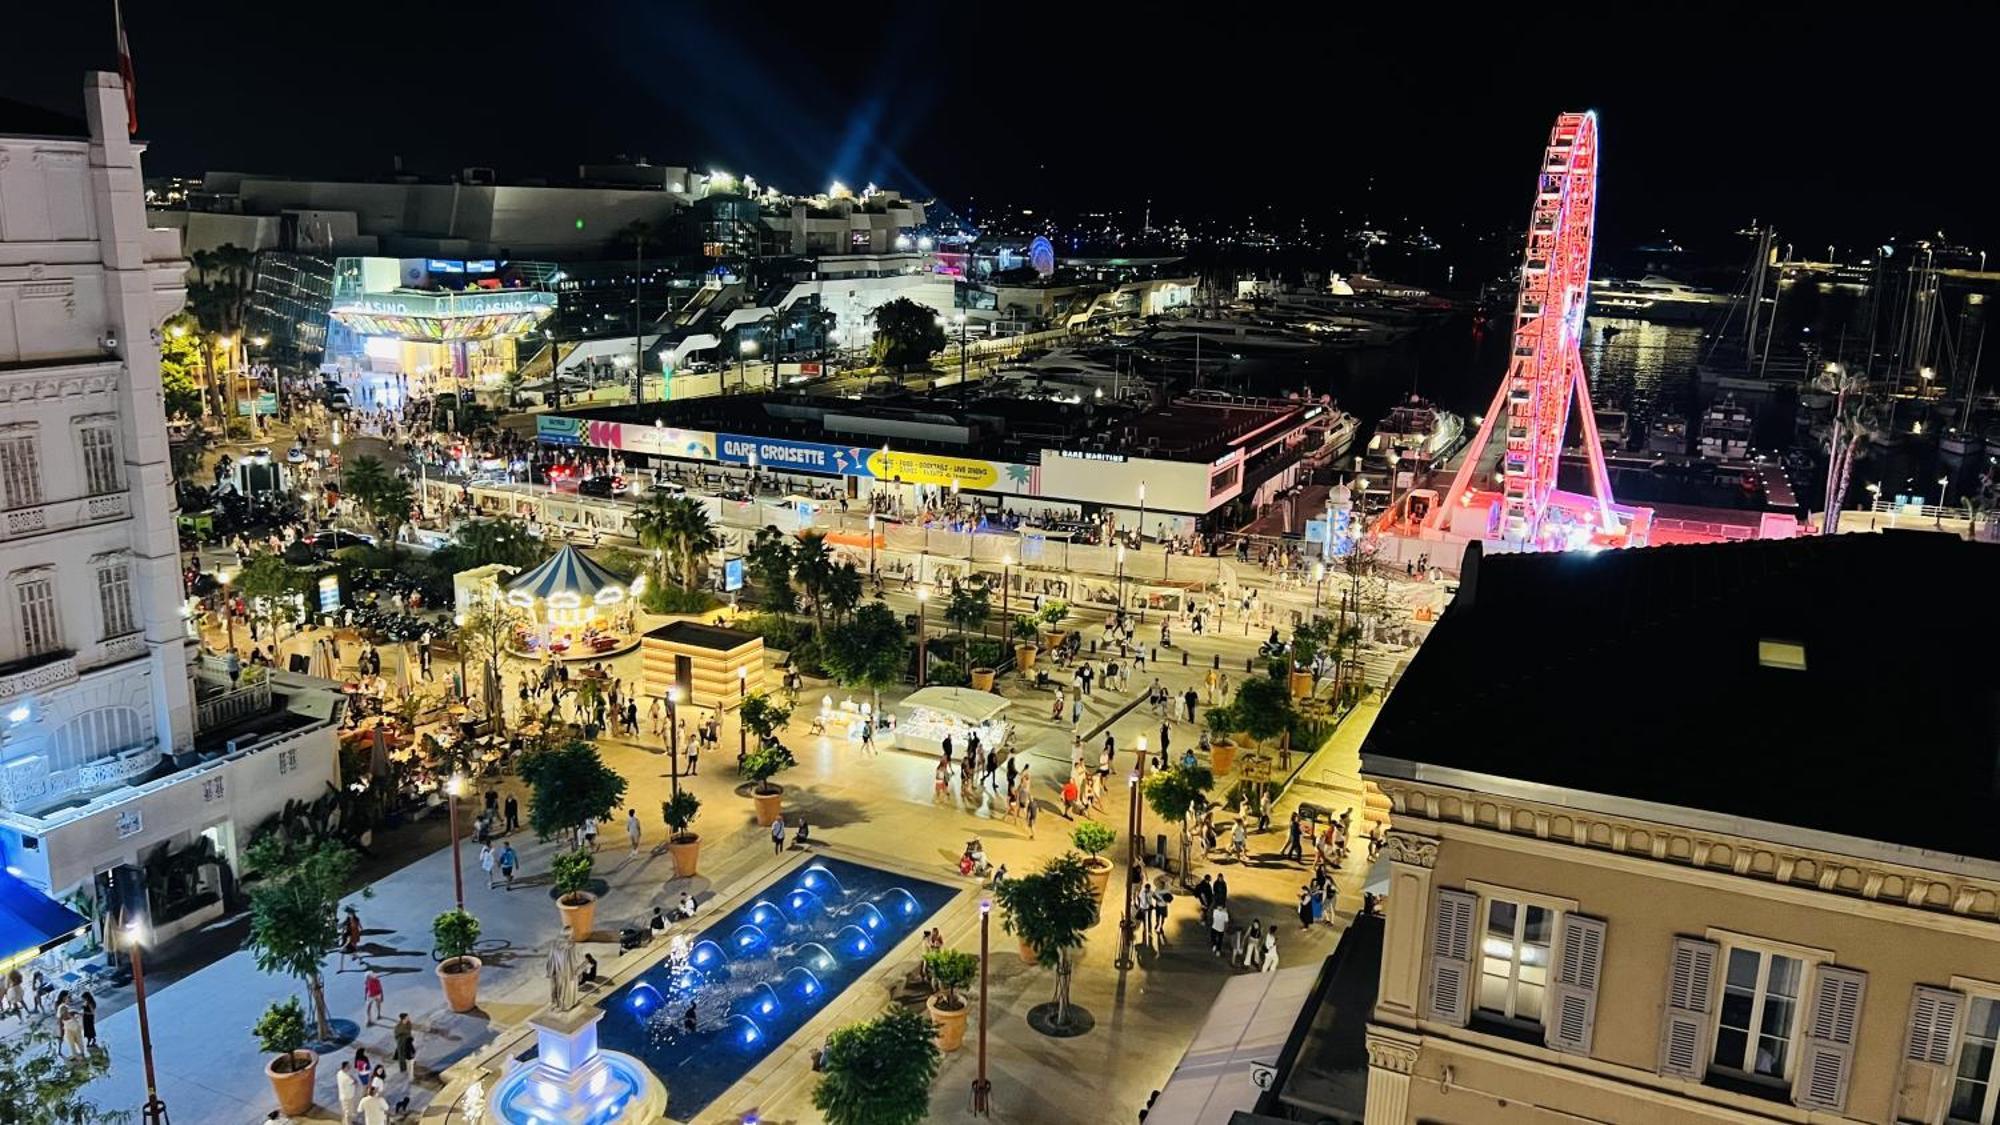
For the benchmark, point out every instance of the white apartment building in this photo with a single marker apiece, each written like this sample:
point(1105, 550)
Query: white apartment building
point(112, 741)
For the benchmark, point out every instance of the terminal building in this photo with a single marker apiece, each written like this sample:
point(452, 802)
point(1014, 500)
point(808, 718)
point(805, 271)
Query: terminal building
point(1673, 842)
point(119, 742)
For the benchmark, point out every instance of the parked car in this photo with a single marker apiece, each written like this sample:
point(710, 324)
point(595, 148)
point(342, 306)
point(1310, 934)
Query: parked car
point(595, 486)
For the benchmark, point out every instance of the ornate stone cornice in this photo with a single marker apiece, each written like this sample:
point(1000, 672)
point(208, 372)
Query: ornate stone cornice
point(1717, 853)
point(59, 382)
point(1405, 847)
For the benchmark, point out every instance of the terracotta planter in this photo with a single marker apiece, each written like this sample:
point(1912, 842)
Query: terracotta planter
point(460, 980)
point(1098, 870)
point(982, 679)
point(686, 852)
point(1056, 637)
point(1024, 658)
point(579, 916)
point(769, 805)
point(1302, 684)
point(294, 1089)
point(1028, 956)
point(950, 1024)
point(1221, 755)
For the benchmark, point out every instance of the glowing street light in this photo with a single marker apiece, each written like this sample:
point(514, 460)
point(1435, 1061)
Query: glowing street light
point(453, 786)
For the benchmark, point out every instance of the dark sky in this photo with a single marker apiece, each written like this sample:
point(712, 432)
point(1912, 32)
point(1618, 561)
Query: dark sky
point(1839, 129)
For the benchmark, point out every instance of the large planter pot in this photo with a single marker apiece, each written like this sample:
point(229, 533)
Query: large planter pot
point(769, 805)
point(1098, 870)
point(1056, 637)
point(294, 1088)
point(686, 852)
point(1028, 955)
point(460, 980)
point(1221, 755)
point(950, 1024)
point(982, 679)
point(579, 916)
point(1302, 684)
point(1024, 658)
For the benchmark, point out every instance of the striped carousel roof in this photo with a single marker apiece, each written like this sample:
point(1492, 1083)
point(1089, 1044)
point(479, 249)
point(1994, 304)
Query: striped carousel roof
point(569, 571)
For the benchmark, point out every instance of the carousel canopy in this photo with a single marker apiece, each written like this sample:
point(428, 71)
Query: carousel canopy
point(570, 571)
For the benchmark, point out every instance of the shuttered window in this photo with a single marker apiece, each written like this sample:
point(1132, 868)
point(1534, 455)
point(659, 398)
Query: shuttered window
point(1514, 960)
point(1826, 1052)
point(1572, 1017)
point(99, 445)
point(1448, 994)
point(1976, 1083)
point(1690, 992)
point(20, 469)
point(35, 611)
point(114, 599)
point(1761, 993)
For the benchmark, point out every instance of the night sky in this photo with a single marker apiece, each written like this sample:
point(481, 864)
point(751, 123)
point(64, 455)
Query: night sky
point(1844, 134)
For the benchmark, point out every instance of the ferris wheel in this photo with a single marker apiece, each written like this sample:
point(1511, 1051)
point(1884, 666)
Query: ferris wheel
point(1545, 373)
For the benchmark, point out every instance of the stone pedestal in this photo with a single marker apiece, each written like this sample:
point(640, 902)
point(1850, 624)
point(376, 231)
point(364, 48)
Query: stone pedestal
point(571, 1082)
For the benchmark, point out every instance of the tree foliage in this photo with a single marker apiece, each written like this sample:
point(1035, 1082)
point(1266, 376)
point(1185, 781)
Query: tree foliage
point(869, 651)
point(906, 333)
point(969, 606)
point(951, 970)
point(763, 716)
point(571, 785)
point(37, 1088)
point(1051, 910)
point(570, 873)
point(679, 811)
point(772, 555)
point(455, 934)
point(1092, 837)
point(295, 919)
point(765, 762)
point(879, 1072)
point(1263, 706)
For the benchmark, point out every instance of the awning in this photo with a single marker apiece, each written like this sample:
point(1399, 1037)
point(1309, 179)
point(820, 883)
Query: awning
point(964, 703)
point(31, 921)
point(570, 571)
point(1235, 1054)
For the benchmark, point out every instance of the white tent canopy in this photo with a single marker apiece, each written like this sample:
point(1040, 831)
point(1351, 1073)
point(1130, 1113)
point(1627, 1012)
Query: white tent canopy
point(964, 704)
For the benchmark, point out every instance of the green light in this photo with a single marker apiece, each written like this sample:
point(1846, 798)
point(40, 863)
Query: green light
point(579, 224)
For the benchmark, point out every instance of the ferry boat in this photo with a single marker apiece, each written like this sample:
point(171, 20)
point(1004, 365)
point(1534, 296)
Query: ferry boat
point(1414, 435)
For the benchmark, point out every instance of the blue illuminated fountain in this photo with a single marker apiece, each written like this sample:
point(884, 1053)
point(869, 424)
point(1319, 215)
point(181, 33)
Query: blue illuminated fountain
point(757, 973)
point(571, 1082)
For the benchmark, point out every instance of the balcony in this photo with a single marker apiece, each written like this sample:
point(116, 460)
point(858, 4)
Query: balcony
point(61, 515)
point(50, 670)
point(219, 703)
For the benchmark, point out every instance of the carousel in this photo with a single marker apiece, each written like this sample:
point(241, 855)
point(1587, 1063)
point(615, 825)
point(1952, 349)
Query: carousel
point(574, 609)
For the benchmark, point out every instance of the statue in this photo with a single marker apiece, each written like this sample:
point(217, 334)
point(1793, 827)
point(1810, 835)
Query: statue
point(561, 971)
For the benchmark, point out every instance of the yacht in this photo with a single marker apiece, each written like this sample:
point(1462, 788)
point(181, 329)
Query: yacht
point(1667, 435)
point(1414, 435)
point(1656, 298)
point(1725, 431)
point(1220, 337)
point(1329, 435)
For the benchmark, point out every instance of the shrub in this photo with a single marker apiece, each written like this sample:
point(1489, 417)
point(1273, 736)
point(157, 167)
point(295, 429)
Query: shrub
point(679, 812)
point(454, 933)
point(571, 875)
point(879, 1072)
point(1053, 612)
point(281, 1031)
point(766, 762)
point(1092, 837)
point(661, 597)
point(951, 969)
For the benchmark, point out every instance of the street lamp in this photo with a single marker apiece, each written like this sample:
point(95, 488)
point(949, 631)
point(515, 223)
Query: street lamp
point(674, 736)
point(1006, 587)
point(228, 614)
point(923, 636)
point(453, 786)
point(1941, 483)
point(982, 1088)
point(871, 544)
point(1121, 578)
point(458, 642)
point(1124, 960)
point(744, 350)
point(1141, 540)
point(155, 1111)
point(1319, 583)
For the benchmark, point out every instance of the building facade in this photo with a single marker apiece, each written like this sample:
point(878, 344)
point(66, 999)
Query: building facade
point(1776, 898)
point(105, 752)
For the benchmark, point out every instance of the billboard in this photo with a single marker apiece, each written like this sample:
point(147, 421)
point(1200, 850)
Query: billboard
point(553, 429)
point(776, 453)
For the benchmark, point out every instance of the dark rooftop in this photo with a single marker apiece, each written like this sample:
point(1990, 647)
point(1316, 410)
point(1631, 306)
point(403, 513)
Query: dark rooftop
point(694, 633)
point(20, 119)
point(1638, 674)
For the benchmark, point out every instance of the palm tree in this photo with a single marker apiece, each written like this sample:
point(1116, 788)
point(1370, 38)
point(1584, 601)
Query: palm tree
point(654, 526)
point(366, 478)
point(694, 538)
point(813, 568)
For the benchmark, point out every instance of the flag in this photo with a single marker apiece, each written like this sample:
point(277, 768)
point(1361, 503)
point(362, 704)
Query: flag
point(125, 71)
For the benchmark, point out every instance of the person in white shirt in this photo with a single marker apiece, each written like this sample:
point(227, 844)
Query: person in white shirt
point(348, 1089)
point(686, 908)
point(374, 1107)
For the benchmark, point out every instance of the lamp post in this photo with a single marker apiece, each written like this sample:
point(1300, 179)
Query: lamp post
point(1006, 587)
point(744, 350)
point(961, 353)
point(982, 1088)
point(458, 642)
point(1941, 483)
point(871, 544)
point(453, 786)
point(227, 385)
point(339, 468)
point(1125, 927)
point(1319, 583)
point(555, 371)
point(249, 361)
point(674, 737)
point(1141, 540)
point(228, 611)
point(923, 636)
point(154, 1112)
point(1121, 578)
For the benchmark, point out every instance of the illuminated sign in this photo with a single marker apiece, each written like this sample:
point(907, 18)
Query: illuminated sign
point(927, 468)
point(732, 574)
point(483, 265)
point(329, 594)
point(813, 457)
point(443, 265)
point(556, 430)
point(1085, 455)
point(658, 441)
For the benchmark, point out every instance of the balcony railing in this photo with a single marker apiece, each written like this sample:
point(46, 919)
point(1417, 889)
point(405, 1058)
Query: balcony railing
point(54, 672)
point(60, 515)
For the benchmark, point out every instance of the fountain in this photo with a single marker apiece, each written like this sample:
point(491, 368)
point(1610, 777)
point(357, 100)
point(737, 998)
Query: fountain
point(571, 1082)
point(644, 1000)
point(901, 901)
point(706, 955)
point(764, 999)
point(853, 937)
point(763, 913)
point(822, 960)
point(802, 902)
point(801, 980)
point(746, 938)
point(744, 1030)
point(871, 919)
point(817, 878)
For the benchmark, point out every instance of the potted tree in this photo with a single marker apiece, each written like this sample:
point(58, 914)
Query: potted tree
point(1309, 641)
point(571, 786)
point(281, 1032)
point(679, 812)
point(1174, 794)
point(1024, 643)
point(869, 650)
point(294, 913)
point(879, 1072)
point(1263, 709)
point(1222, 722)
point(1052, 615)
point(454, 933)
point(760, 766)
point(1093, 838)
point(950, 970)
point(571, 875)
point(970, 604)
point(1050, 911)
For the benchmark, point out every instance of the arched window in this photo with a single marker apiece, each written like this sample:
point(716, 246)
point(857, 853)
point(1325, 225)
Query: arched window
point(96, 734)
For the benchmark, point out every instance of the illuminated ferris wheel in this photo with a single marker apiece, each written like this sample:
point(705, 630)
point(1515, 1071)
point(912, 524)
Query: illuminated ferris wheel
point(1545, 373)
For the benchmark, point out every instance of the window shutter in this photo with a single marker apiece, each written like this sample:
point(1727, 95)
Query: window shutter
point(1826, 1060)
point(1690, 991)
point(1450, 994)
point(1579, 963)
point(1935, 1014)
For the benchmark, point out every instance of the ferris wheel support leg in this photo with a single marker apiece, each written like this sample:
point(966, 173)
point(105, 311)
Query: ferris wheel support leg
point(1593, 451)
point(1474, 453)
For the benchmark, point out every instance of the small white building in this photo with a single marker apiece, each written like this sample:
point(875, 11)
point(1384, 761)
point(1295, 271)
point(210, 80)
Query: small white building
point(112, 743)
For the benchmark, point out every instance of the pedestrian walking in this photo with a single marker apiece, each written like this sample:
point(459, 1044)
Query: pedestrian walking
point(1218, 928)
point(486, 863)
point(374, 1107)
point(1028, 807)
point(1269, 961)
point(1294, 848)
point(632, 829)
point(87, 1011)
point(1305, 908)
point(1069, 796)
point(512, 809)
point(406, 1042)
point(508, 861)
point(1190, 698)
point(371, 996)
point(778, 835)
point(350, 937)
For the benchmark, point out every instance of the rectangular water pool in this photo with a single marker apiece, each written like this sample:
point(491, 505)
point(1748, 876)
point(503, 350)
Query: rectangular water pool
point(756, 974)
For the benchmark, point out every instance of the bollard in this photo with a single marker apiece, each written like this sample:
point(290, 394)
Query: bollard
point(1218, 662)
point(1093, 646)
point(1183, 658)
point(1249, 664)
